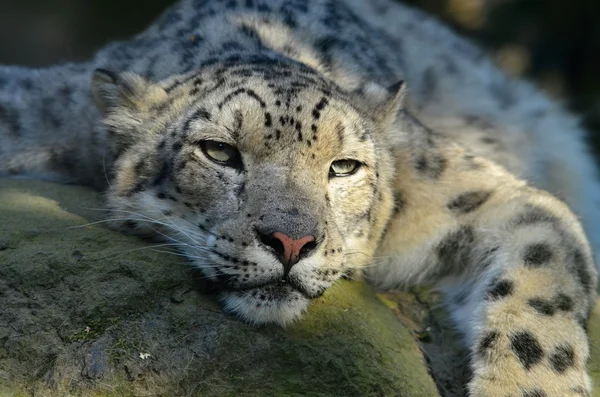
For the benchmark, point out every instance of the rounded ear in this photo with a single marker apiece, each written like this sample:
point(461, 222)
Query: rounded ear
point(385, 103)
point(126, 101)
point(124, 90)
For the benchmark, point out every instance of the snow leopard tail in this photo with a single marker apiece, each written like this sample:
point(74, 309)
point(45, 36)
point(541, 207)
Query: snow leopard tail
point(48, 125)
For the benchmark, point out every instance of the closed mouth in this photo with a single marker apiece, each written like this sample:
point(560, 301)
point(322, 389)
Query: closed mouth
point(281, 284)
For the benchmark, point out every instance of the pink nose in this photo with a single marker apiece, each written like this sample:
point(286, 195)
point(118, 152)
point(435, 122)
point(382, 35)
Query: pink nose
point(293, 249)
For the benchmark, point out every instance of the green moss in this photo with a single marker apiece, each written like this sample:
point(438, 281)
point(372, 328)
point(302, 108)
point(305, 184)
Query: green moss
point(94, 327)
point(333, 351)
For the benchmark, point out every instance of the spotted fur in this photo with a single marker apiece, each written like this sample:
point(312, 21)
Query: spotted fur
point(293, 86)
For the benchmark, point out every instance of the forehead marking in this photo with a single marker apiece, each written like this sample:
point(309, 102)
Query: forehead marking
point(299, 130)
point(197, 83)
point(319, 107)
point(268, 119)
point(314, 131)
point(199, 114)
point(242, 91)
point(340, 129)
point(238, 120)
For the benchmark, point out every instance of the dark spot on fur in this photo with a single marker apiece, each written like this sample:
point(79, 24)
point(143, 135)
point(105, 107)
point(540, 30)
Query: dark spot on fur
point(454, 251)
point(527, 348)
point(563, 302)
point(322, 103)
point(578, 268)
point(542, 306)
point(538, 254)
point(472, 162)
point(488, 257)
point(535, 215)
point(139, 167)
point(340, 131)
point(139, 187)
point(299, 130)
point(238, 121)
point(182, 165)
point(583, 322)
point(202, 114)
point(581, 390)
point(242, 91)
point(487, 342)
point(199, 114)
point(562, 358)
point(432, 166)
point(249, 32)
point(162, 174)
point(501, 289)
point(469, 202)
point(11, 118)
point(289, 19)
point(268, 119)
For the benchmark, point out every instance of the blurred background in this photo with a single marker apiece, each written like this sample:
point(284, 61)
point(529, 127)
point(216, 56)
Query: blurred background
point(555, 43)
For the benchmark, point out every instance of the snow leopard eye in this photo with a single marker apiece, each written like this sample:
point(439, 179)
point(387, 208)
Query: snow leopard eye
point(221, 153)
point(343, 168)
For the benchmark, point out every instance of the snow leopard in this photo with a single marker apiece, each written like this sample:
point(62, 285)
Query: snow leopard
point(283, 144)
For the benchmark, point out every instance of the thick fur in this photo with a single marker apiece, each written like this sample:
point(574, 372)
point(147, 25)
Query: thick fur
point(447, 192)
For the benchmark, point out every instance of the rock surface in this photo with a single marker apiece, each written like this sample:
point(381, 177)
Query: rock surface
point(86, 311)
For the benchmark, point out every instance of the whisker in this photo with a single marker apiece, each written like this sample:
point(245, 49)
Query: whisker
point(185, 233)
point(151, 246)
point(173, 215)
point(188, 233)
point(152, 219)
point(181, 254)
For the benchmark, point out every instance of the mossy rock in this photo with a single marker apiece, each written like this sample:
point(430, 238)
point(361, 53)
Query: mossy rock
point(86, 311)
